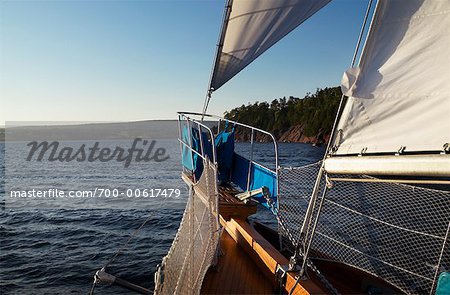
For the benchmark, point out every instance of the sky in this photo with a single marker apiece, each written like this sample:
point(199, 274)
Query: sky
point(145, 60)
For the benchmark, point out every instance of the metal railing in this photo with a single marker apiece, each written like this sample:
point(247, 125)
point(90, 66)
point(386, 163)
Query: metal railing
point(193, 120)
point(195, 124)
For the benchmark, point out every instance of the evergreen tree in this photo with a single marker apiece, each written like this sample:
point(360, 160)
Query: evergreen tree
point(315, 112)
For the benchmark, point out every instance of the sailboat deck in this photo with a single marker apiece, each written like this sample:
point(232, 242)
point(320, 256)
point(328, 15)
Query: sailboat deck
point(236, 273)
point(249, 261)
point(230, 206)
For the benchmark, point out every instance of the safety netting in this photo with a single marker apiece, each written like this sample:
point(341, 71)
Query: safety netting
point(194, 248)
point(393, 231)
point(296, 185)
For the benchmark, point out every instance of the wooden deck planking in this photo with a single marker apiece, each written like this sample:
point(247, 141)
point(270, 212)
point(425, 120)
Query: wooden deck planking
point(235, 273)
point(266, 256)
point(229, 206)
point(250, 261)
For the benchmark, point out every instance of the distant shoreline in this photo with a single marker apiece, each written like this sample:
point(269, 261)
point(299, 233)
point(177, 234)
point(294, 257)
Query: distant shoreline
point(290, 119)
point(150, 129)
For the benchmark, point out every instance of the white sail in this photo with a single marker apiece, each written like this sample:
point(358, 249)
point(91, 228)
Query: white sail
point(252, 27)
point(399, 97)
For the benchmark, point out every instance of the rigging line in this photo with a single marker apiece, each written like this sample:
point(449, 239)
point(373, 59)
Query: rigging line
point(440, 259)
point(134, 234)
point(136, 231)
point(352, 64)
point(311, 205)
point(308, 247)
point(333, 130)
point(385, 222)
point(309, 263)
point(297, 250)
point(94, 283)
point(361, 33)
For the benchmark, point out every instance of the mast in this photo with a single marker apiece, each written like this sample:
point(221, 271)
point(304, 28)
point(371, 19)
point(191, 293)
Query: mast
point(226, 18)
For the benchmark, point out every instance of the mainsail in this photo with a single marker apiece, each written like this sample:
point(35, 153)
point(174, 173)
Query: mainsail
point(253, 26)
point(399, 96)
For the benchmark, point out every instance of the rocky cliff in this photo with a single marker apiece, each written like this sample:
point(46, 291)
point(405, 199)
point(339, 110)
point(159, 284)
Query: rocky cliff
point(293, 134)
point(290, 119)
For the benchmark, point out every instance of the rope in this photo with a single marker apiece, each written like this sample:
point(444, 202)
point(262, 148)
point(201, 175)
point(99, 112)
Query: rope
point(94, 283)
point(308, 263)
point(440, 259)
point(136, 231)
point(308, 216)
point(361, 33)
point(118, 252)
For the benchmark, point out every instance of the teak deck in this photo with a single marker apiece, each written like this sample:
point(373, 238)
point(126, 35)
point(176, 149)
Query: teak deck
point(229, 206)
point(249, 261)
point(236, 273)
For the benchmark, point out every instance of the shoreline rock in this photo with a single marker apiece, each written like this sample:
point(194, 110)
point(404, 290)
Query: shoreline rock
point(294, 134)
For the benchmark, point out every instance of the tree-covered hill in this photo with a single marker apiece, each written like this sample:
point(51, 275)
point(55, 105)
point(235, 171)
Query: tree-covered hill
point(293, 119)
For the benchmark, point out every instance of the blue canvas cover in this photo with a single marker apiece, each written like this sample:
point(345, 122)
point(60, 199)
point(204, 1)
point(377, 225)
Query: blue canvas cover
point(259, 177)
point(187, 156)
point(191, 160)
point(239, 171)
point(231, 166)
point(224, 143)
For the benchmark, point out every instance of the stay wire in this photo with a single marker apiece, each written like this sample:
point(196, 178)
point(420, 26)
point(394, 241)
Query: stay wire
point(121, 249)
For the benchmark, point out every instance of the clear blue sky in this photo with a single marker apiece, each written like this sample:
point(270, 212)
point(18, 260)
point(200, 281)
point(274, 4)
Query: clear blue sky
point(137, 60)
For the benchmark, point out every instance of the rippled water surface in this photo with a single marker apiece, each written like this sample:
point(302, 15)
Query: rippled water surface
point(56, 247)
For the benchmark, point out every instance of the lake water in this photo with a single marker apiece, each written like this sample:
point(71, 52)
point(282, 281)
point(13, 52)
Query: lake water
point(55, 246)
